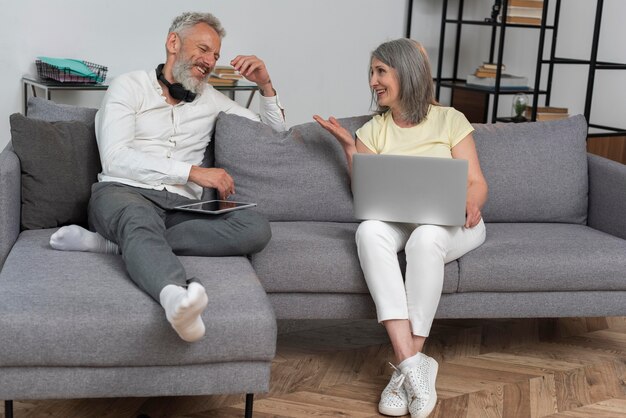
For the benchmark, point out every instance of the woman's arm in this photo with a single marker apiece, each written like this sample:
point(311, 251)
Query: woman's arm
point(349, 144)
point(476, 183)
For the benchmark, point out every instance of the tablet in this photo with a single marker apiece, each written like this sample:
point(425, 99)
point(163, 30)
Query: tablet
point(214, 207)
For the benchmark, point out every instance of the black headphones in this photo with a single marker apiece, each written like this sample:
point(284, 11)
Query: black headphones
point(177, 91)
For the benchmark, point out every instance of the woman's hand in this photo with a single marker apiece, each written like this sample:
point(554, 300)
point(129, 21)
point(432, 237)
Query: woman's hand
point(472, 214)
point(342, 134)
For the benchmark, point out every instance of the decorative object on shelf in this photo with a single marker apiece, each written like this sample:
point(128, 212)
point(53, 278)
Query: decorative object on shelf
point(520, 104)
point(66, 70)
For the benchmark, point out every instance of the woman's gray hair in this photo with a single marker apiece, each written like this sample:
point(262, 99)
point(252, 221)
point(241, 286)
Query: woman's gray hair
point(409, 59)
point(190, 19)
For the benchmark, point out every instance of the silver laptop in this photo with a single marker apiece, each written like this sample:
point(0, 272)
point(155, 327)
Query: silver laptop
point(399, 188)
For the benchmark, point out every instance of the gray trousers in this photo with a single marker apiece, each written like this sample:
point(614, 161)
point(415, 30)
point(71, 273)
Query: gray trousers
point(150, 236)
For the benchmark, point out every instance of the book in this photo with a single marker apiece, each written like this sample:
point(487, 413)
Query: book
point(483, 73)
point(551, 109)
point(218, 81)
point(506, 81)
point(522, 20)
point(536, 4)
point(548, 113)
point(524, 12)
point(489, 66)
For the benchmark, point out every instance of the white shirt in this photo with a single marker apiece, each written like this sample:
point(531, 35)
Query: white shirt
point(146, 142)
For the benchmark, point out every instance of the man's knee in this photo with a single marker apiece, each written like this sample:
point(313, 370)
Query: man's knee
point(256, 232)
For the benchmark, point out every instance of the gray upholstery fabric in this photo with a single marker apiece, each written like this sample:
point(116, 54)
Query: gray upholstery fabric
point(537, 172)
point(107, 382)
point(60, 308)
point(531, 304)
point(39, 108)
point(299, 175)
point(9, 201)
point(457, 305)
point(607, 196)
point(322, 305)
point(312, 257)
point(544, 257)
point(59, 163)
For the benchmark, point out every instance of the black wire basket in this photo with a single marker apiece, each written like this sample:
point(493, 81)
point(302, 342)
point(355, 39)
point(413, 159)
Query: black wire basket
point(64, 75)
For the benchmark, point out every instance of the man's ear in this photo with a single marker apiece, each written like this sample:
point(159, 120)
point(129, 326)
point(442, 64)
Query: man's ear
point(172, 44)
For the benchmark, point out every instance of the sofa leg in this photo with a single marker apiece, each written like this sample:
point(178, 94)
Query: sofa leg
point(8, 409)
point(249, 402)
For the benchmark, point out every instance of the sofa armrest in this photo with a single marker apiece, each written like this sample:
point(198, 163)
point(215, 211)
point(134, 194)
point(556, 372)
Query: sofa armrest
point(10, 201)
point(607, 196)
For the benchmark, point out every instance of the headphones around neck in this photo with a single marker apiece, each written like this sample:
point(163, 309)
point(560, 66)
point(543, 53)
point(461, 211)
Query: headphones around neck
point(177, 91)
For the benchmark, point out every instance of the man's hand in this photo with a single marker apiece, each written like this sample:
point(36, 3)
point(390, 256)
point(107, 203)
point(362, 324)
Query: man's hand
point(216, 178)
point(253, 69)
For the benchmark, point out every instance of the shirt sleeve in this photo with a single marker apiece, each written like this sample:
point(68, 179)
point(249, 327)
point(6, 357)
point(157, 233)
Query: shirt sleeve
point(271, 111)
point(115, 134)
point(369, 135)
point(458, 127)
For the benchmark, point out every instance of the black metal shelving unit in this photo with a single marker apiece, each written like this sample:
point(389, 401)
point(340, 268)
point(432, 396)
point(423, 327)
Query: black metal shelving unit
point(498, 31)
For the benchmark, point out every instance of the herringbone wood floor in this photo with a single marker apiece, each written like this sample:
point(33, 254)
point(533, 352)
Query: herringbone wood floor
point(573, 367)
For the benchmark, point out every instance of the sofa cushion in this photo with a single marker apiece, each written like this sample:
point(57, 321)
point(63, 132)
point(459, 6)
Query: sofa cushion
point(39, 108)
point(59, 163)
point(537, 172)
point(298, 175)
point(61, 308)
point(544, 257)
point(319, 257)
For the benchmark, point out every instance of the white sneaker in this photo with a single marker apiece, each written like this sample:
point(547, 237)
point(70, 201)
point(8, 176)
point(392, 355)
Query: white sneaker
point(393, 400)
point(419, 383)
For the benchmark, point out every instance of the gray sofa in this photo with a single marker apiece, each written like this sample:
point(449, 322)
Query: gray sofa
point(74, 325)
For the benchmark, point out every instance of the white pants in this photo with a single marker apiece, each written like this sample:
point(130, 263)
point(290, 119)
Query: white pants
point(427, 249)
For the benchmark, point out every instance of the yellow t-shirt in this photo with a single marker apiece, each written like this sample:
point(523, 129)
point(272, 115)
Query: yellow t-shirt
point(443, 128)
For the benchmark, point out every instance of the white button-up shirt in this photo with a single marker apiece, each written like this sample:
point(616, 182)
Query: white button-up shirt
point(146, 142)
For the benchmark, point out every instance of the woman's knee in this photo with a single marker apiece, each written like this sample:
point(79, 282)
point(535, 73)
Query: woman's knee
point(427, 239)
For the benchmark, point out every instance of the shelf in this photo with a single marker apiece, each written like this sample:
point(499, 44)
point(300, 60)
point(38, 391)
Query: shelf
point(490, 23)
point(600, 65)
point(460, 84)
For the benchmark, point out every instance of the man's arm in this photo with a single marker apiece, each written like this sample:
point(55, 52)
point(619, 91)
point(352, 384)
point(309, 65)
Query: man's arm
point(254, 70)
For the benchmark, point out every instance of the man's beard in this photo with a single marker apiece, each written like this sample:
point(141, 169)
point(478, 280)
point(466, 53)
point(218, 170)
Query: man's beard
point(181, 71)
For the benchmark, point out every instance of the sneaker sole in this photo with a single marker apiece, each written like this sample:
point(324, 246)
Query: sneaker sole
point(393, 412)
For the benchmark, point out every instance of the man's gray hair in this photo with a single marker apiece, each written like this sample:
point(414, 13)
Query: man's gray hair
point(190, 19)
point(409, 59)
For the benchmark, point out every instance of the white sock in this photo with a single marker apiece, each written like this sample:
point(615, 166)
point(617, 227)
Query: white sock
point(183, 309)
point(76, 238)
point(411, 362)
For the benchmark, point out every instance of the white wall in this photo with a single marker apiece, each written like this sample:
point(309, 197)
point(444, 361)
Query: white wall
point(317, 51)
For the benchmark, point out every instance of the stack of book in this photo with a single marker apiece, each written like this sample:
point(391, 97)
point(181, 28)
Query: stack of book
point(527, 12)
point(548, 113)
point(488, 69)
point(485, 76)
point(224, 76)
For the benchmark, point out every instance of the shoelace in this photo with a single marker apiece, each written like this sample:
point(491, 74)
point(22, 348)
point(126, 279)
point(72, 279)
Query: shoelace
point(397, 382)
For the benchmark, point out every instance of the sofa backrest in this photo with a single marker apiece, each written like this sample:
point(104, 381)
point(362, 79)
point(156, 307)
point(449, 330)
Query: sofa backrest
point(298, 175)
point(536, 172)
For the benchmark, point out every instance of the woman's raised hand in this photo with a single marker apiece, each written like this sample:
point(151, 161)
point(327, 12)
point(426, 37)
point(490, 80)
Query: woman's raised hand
point(342, 134)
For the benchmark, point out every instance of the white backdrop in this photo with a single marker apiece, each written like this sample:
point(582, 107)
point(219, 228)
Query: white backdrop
point(317, 51)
